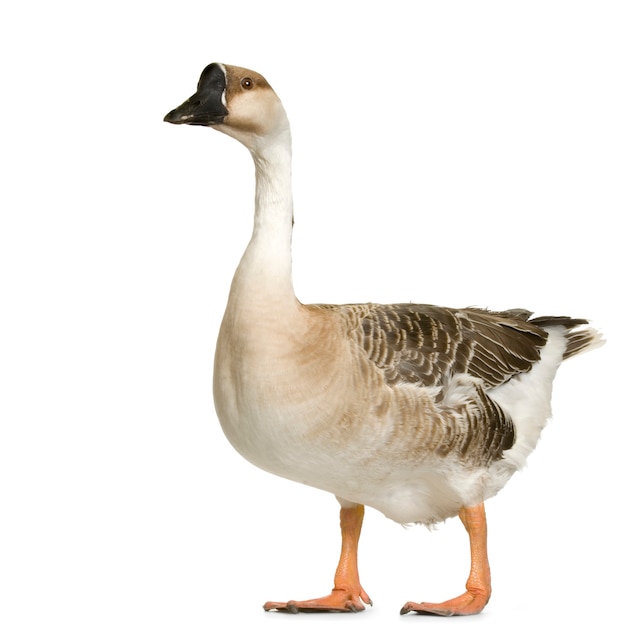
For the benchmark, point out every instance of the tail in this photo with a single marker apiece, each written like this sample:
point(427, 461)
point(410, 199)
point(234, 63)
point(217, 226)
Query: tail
point(580, 337)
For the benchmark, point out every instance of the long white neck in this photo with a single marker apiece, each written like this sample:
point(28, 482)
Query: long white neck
point(265, 268)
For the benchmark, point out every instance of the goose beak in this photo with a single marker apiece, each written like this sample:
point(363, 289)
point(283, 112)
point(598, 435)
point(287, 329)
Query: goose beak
point(206, 106)
point(197, 111)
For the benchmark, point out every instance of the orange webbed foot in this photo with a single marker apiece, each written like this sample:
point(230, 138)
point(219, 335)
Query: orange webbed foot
point(466, 604)
point(339, 600)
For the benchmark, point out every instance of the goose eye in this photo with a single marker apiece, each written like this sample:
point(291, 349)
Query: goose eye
point(247, 83)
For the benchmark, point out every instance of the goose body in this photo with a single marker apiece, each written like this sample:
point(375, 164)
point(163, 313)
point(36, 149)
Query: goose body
point(419, 411)
point(293, 402)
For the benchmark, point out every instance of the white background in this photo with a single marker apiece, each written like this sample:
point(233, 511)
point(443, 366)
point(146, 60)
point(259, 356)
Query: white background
point(458, 153)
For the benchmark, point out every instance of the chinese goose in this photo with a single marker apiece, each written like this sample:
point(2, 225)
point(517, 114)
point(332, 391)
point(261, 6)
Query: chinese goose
point(421, 412)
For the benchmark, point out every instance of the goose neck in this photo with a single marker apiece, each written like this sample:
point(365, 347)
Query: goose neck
point(266, 263)
point(273, 195)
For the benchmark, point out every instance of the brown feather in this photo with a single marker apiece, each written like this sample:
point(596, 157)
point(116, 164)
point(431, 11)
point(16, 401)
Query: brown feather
point(426, 345)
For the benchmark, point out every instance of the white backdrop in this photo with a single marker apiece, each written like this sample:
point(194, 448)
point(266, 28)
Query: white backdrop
point(447, 152)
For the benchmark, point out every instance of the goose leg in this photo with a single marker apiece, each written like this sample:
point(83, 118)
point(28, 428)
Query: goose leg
point(479, 582)
point(347, 594)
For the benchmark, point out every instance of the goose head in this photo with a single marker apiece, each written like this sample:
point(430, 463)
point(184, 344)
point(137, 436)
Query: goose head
point(237, 102)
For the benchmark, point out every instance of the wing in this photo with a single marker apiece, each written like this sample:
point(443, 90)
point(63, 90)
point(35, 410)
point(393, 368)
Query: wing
point(427, 345)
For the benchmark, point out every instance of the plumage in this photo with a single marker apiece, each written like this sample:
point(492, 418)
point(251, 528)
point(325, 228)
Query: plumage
point(419, 411)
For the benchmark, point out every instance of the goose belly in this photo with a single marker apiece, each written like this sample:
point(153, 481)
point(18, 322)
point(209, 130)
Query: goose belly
point(406, 490)
point(356, 453)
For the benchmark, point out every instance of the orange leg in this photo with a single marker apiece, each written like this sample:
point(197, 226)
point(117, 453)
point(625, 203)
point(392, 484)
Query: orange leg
point(479, 582)
point(347, 595)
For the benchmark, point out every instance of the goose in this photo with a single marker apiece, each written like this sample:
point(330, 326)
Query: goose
point(419, 411)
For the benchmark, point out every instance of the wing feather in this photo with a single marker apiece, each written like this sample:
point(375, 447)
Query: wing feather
point(427, 345)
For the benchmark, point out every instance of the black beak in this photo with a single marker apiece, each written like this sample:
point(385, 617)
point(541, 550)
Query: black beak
point(206, 106)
